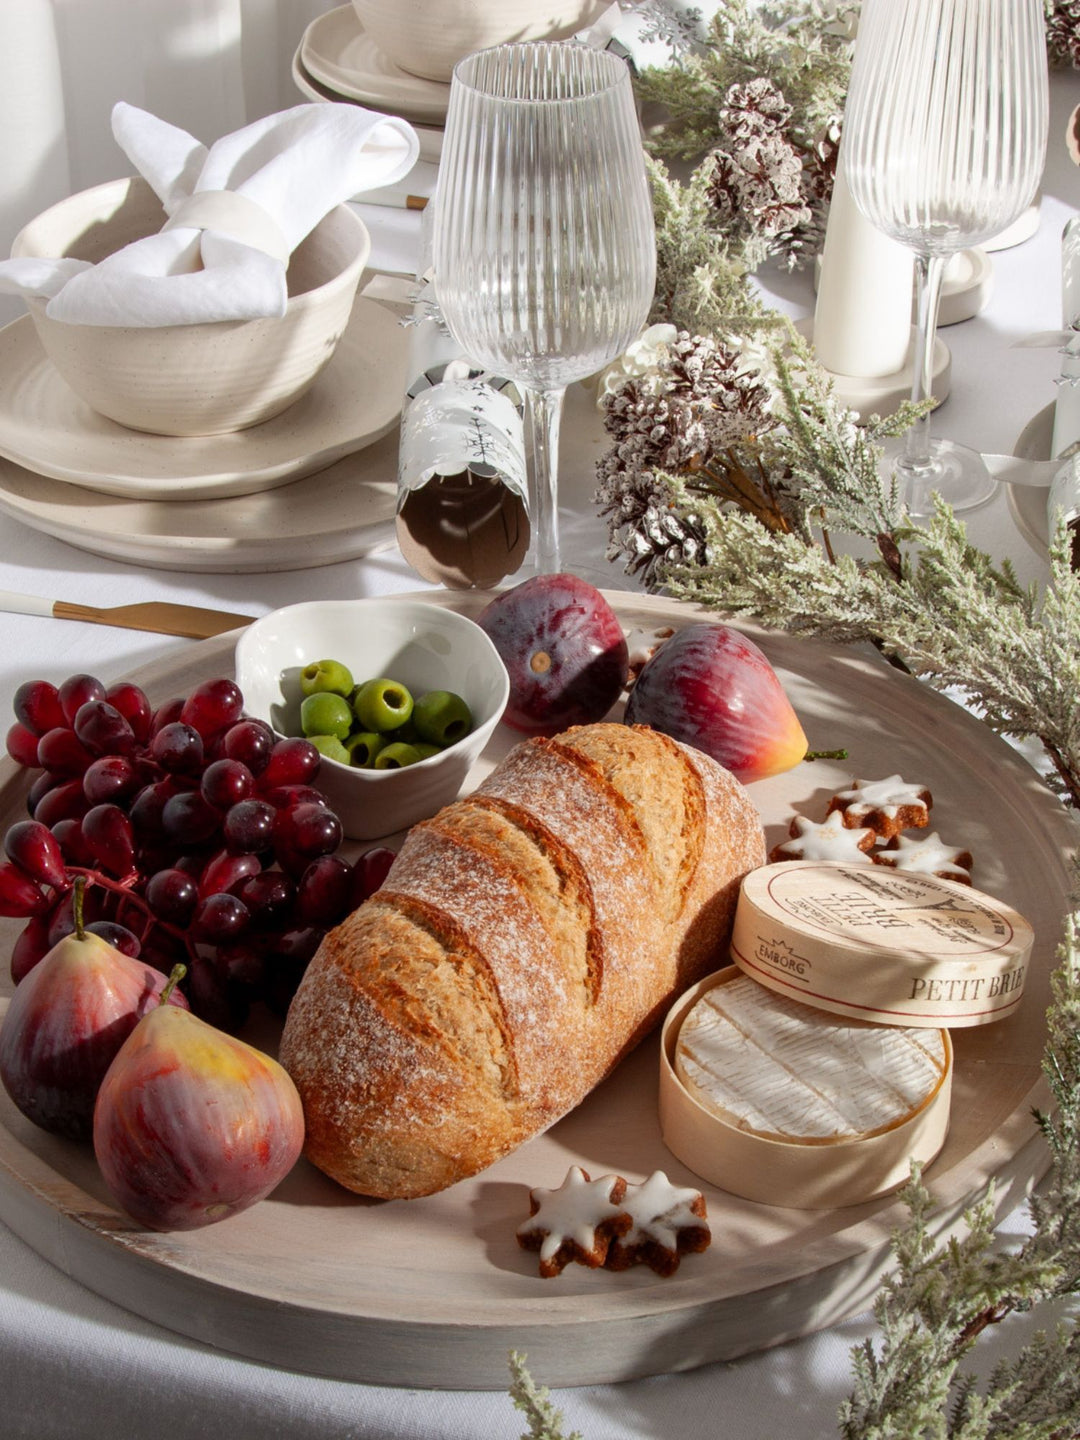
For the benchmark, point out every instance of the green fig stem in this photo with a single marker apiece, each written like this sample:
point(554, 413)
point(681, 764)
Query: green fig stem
point(176, 975)
point(825, 755)
point(77, 906)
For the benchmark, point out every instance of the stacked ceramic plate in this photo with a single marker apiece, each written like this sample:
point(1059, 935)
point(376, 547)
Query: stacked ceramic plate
point(338, 60)
point(398, 55)
point(313, 485)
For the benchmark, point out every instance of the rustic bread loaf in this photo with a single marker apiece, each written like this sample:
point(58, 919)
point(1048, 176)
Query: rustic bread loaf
point(526, 938)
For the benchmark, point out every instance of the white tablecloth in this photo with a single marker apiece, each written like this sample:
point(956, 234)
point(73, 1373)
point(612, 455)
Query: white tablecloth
point(74, 1365)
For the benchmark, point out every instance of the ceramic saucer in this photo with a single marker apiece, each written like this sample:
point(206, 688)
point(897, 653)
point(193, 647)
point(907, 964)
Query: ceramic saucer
point(1022, 228)
point(883, 394)
point(337, 52)
point(341, 513)
point(965, 288)
point(46, 428)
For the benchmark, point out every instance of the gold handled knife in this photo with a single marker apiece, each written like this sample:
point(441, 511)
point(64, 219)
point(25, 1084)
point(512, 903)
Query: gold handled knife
point(161, 617)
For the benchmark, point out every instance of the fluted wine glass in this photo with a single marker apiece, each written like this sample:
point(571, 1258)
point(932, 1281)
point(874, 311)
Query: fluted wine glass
point(944, 141)
point(543, 246)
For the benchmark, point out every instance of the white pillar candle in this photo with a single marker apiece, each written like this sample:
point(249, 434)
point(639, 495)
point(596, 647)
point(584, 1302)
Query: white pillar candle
point(862, 324)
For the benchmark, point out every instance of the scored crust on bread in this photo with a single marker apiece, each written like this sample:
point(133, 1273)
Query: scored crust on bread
point(526, 938)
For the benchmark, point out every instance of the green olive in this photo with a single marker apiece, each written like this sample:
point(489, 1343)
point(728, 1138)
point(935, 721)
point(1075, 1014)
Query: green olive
point(364, 746)
point(382, 705)
point(330, 747)
point(441, 717)
point(323, 675)
point(396, 756)
point(324, 713)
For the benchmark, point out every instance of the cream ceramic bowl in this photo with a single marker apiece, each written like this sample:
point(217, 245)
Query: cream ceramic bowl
point(206, 379)
point(424, 647)
point(429, 37)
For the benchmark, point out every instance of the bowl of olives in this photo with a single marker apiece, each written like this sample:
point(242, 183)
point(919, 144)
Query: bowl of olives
point(400, 697)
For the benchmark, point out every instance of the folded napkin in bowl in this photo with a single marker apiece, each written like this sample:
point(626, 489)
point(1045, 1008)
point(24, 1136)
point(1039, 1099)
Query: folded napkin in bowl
point(236, 212)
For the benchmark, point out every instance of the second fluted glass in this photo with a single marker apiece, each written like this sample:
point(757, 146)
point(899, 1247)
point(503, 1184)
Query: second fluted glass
point(944, 142)
point(544, 251)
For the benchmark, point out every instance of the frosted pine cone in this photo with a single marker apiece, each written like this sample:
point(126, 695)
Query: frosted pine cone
point(701, 401)
point(1063, 31)
point(754, 110)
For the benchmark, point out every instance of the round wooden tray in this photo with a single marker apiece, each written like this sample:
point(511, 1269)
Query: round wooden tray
point(434, 1292)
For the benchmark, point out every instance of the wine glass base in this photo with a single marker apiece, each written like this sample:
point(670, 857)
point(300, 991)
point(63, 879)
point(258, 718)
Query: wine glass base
point(956, 473)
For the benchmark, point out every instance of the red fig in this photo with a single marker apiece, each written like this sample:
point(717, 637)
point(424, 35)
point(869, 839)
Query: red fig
point(193, 1125)
point(713, 688)
point(564, 649)
point(68, 1017)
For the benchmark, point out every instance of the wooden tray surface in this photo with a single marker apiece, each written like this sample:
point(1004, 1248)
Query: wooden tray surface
point(434, 1292)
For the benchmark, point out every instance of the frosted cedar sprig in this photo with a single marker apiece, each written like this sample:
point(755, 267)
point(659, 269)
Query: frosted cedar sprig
point(761, 105)
point(545, 1422)
point(702, 280)
point(939, 1300)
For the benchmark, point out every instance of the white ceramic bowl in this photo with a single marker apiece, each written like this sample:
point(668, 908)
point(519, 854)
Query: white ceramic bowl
point(206, 379)
point(424, 647)
point(429, 37)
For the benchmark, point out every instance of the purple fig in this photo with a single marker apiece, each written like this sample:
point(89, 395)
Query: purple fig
point(193, 1125)
point(66, 1021)
point(564, 649)
point(713, 688)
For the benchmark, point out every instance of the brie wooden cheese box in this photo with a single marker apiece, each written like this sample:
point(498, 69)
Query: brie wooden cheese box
point(881, 944)
point(779, 1103)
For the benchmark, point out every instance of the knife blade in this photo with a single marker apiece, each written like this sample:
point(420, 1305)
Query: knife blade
point(160, 617)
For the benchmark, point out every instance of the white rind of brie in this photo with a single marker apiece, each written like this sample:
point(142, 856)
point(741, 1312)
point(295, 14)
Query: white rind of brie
point(790, 1073)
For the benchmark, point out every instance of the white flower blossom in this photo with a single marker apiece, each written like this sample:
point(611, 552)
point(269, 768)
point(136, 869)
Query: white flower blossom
point(643, 360)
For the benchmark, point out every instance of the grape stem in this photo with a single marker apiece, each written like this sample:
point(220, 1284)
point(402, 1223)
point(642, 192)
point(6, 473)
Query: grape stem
point(122, 889)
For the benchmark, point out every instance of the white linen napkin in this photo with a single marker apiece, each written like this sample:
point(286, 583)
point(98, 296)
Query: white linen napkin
point(237, 210)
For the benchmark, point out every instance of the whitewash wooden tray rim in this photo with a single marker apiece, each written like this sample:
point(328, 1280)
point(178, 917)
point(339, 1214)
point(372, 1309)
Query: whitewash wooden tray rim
point(445, 1315)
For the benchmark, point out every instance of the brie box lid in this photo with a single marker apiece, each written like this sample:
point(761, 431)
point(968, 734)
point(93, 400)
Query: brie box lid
point(880, 944)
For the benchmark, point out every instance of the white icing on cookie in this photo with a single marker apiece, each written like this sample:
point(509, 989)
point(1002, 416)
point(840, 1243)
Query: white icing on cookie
point(886, 798)
point(659, 1210)
point(572, 1212)
point(827, 839)
point(927, 855)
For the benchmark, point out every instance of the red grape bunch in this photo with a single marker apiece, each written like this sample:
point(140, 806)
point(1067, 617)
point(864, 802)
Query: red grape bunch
point(200, 833)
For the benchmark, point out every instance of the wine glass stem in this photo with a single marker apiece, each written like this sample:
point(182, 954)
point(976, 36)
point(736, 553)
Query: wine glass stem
point(545, 414)
point(929, 270)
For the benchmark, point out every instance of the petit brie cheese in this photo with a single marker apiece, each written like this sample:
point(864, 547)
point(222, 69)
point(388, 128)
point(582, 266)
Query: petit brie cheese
point(784, 1071)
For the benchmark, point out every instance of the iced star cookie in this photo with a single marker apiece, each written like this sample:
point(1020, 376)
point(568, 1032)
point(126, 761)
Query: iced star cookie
point(927, 855)
point(669, 1221)
point(828, 839)
point(884, 806)
point(578, 1221)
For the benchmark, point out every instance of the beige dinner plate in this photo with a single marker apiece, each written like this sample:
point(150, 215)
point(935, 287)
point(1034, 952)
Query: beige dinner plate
point(338, 52)
point(341, 513)
point(436, 1291)
point(47, 429)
